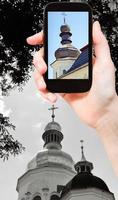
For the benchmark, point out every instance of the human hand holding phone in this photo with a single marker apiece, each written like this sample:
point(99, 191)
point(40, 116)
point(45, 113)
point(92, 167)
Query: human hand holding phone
point(90, 106)
point(69, 54)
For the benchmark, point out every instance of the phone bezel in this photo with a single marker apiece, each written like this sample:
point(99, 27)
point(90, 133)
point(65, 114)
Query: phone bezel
point(67, 85)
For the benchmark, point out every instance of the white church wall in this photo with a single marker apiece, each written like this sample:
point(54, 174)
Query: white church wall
point(88, 194)
point(60, 65)
point(39, 179)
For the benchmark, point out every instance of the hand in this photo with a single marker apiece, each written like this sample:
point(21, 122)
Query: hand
point(90, 106)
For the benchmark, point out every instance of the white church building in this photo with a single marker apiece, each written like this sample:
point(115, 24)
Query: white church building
point(53, 175)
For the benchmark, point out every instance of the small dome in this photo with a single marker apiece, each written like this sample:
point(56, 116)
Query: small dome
point(83, 181)
point(65, 28)
point(53, 126)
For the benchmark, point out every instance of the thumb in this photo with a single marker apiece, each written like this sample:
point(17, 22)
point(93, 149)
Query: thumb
point(36, 39)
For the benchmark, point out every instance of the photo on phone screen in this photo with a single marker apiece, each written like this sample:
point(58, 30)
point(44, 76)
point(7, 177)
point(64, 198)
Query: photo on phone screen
point(68, 45)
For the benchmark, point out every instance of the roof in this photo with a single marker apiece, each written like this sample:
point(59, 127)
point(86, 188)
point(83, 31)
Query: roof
point(53, 126)
point(83, 181)
point(81, 60)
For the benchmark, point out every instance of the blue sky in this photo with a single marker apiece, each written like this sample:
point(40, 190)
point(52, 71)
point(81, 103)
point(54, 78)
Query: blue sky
point(78, 22)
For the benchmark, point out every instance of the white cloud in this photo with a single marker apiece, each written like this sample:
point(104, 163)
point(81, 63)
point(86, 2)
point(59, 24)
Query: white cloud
point(38, 125)
point(3, 110)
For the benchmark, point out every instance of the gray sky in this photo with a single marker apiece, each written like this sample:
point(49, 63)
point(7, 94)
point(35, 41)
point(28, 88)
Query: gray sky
point(29, 112)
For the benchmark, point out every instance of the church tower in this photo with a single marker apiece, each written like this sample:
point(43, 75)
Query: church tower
point(52, 174)
point(66, 54)
point(49, 170)
point(84, 185)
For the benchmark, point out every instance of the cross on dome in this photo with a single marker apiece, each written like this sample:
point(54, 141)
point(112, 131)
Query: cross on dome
point(53, 108)
point(64, 14)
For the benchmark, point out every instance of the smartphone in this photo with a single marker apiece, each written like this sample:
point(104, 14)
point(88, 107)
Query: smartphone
point(68, 47)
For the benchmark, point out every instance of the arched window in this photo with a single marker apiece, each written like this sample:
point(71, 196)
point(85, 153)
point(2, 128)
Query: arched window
point(64, 71)
point(54, 197)
point(56, 74)
point(51, 137)
point(37, 198)
point(55, 137)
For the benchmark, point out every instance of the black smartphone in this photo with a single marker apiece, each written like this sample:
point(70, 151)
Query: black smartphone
point(68, 47)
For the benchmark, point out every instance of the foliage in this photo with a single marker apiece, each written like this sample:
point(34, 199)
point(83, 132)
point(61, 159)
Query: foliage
point(106, 11)
point(18, 20)
point(8, 146)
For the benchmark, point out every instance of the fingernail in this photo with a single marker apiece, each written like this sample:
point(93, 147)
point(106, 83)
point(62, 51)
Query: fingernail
point(98, 24)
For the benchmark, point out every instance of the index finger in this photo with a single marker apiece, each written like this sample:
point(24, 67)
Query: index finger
point(36, 39)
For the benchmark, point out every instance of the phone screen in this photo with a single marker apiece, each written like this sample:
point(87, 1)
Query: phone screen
point(68, 44)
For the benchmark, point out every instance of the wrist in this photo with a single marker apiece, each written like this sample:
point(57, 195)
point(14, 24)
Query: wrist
point(109, 118)
point(107, 128)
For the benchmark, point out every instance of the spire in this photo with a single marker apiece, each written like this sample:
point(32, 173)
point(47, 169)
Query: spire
point(83, 157)
point(65, 32)
point(53, 108)
point(64, 14)
point(67, 49)
point(83, 165)
point(52, 135)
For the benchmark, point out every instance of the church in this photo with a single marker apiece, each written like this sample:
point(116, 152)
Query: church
point(53, 175)
point(70, 62)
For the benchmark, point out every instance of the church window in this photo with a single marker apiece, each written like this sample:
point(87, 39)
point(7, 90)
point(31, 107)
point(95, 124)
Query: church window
point(64, 71)
point(52, 137)
point(82, 168)
point(54, 197)
point(87, 168)
point(55, 137)
point(37, 198)
point(48, 140)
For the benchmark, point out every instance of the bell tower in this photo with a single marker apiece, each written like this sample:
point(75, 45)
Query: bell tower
point(50, 169)
point(52, 135)
point(67, 53)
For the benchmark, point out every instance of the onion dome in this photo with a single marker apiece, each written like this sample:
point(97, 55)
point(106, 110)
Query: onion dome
point(65, 28)
point(52, 158)
point(53, 125)
point(52, 155)
point(83, 181)
point(65, 34)
point(67, 49)
point(52, 135)
point(84, 178)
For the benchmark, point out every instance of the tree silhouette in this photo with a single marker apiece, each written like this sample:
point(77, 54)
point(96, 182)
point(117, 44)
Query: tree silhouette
point(8, 146)
point(21, 18)
point(18, 20)
point(106, 11)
